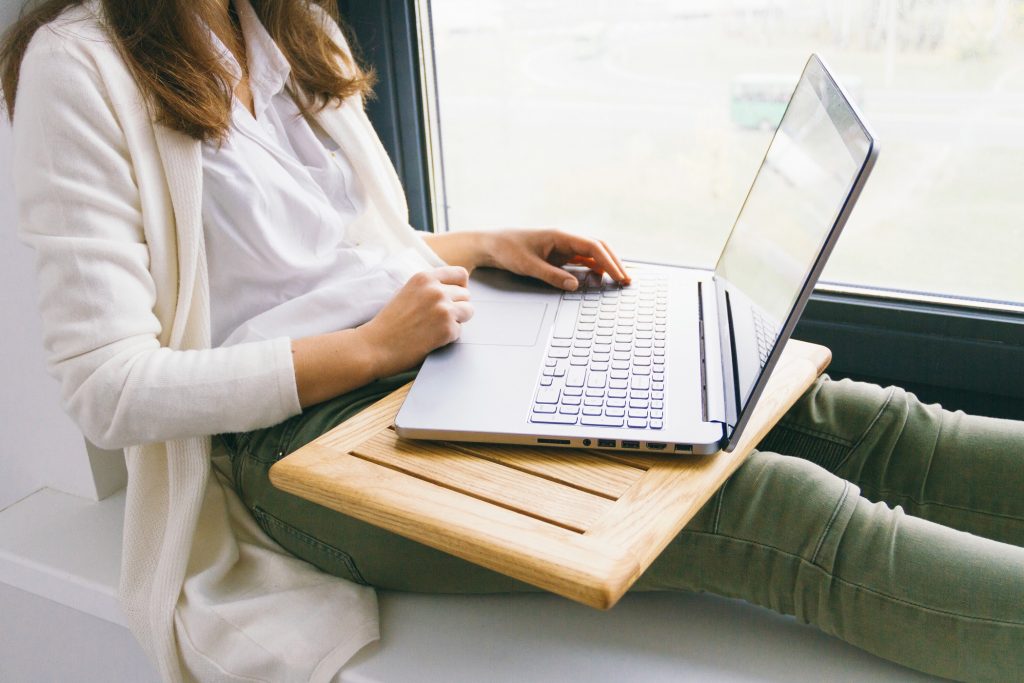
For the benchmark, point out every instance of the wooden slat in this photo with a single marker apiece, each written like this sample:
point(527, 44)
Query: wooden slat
point(579, 469)
point(452, 468)
point(524, 548)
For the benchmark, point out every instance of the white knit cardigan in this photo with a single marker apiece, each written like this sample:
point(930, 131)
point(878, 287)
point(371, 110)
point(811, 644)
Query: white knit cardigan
point(111, 203)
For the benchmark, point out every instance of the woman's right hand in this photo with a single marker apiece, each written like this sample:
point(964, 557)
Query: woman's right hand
point(425, 314)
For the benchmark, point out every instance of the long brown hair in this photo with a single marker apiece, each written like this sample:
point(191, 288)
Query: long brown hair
point(167, 48)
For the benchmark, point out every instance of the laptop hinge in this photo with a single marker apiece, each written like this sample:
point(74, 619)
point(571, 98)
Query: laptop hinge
point(727, 357)
point(703, 354)
point(713, 408)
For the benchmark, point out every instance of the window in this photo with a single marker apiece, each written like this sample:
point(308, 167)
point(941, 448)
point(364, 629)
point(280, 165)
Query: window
point(644, 122)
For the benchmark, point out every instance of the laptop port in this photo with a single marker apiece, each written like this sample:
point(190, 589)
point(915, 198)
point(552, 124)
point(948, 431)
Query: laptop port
point(606, 443)
point(559, 442)
point(683, 448)
point(654, 445)
point(631, 444)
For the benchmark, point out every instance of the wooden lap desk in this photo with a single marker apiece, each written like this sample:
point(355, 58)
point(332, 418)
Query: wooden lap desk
point(578, 522)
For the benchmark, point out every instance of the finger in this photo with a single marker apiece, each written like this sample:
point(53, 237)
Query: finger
point(590, 263)
point(586, 247)
point(552, 274)
point(617, 260)
point(463, 311)
point(582, 261)
point(456, 293)
point(452, 275)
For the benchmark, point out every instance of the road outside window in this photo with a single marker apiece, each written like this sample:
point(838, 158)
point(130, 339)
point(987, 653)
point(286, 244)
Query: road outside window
point(644, 122)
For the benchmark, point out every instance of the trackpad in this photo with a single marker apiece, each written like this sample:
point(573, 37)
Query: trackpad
point(504, 323)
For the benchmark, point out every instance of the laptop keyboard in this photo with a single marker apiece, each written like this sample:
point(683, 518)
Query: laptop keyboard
point(765, 332)
point(605, 363)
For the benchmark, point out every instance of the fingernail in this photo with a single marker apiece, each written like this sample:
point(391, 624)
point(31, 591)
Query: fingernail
point(570, 283)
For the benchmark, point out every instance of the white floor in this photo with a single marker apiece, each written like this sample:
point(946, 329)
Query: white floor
point(56, 548)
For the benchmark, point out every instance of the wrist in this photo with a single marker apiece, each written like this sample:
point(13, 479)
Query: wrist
point(368, 351)
point(487, 249)
point(469, 249)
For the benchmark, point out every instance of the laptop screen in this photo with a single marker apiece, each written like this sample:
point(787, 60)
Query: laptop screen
point(809, 172)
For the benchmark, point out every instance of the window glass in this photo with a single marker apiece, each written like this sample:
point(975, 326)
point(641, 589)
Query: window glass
point(644, 122)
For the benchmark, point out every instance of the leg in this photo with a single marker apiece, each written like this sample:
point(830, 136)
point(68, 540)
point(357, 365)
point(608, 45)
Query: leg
point(786, 534)
point(336, 543)
point(958, 470)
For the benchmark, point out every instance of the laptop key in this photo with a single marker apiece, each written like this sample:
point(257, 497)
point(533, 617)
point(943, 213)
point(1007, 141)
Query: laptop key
point(543, 408)
point(565, 319)
point(601, 421)
point(591, 411)
point(575, 377)
point(569, 410)
point(548, 395)
point(634, 423)
point(615, 412)
point(556, 418)
point(655, 424)
point(640, 382)
point(597, 379)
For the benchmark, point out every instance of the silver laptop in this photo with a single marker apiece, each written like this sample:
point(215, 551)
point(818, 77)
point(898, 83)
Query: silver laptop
point(675, 361)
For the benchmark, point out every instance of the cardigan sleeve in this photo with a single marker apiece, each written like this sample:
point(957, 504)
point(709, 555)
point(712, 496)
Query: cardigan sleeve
point(80, 207)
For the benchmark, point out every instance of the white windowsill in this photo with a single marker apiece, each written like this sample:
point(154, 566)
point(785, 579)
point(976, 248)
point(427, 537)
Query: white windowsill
point(67, 549)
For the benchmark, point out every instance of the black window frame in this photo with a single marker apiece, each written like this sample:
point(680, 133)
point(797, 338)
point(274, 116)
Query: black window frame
point(965, 355)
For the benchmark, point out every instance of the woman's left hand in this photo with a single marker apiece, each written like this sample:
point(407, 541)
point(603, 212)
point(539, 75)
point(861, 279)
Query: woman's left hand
point(541, 253)
point(534, 253)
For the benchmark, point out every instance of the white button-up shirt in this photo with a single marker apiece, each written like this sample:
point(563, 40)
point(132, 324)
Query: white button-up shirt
point(278, 196)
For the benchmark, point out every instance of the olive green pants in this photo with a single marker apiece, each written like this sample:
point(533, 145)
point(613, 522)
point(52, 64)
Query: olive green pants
point(893, 525)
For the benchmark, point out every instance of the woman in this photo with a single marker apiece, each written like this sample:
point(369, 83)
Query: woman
point(223, 249)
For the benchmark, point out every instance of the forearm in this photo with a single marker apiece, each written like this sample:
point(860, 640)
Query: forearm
point(469, 249)
point(329, 365)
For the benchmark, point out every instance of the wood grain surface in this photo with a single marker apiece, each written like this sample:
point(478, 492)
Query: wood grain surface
point(581, 523)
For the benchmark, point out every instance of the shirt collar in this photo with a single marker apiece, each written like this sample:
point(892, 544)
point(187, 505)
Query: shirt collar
point(268, 67)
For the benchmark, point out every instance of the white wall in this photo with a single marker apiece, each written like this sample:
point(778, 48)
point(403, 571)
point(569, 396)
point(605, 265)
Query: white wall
point(39, 445)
